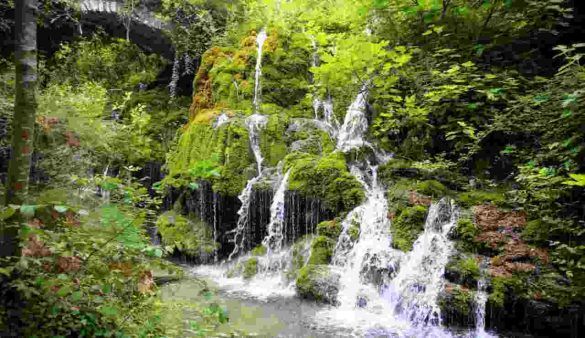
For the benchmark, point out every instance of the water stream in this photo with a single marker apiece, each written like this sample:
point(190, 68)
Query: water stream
point(260, 39)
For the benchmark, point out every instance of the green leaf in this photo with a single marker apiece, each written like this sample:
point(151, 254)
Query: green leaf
point(193, 186)
point(76, 296)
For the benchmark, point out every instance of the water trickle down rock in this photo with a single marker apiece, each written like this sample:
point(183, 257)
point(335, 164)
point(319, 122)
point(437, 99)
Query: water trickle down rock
point(274, 240)
point(254, 124)
point(480, 300)
point(355, 124)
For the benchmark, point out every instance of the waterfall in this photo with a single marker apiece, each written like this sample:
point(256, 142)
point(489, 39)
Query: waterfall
point(413, 293)
point(372, 252)
point(355, 124)
point(254, 124)
point(257, 88)
point(480, 300)
point(273, 241)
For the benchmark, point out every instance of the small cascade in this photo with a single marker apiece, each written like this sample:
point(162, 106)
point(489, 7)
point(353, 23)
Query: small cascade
point(355, 124)
point(412, 294)
point(260, 39)
point(480, 301)
point(254, 123)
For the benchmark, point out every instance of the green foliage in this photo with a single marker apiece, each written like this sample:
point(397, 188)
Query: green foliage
point(85, 268)
point(114, 63)
point(407, 226)
point(311, 281)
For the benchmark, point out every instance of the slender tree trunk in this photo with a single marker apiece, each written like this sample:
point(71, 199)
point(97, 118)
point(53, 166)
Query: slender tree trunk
point(23, 122)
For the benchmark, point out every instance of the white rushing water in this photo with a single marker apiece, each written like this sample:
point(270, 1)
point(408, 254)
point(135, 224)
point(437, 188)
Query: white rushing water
point(254, 124)
point(414, 292)
point(260, 39)
point(273, 241)
point(355, 124)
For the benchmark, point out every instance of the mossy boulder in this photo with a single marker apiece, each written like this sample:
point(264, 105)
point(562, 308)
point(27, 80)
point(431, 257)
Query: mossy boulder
point(326, 178)
point(330, 229)
point(407, 226)
point(250, 268)
point(321, 250)
point(318, 282)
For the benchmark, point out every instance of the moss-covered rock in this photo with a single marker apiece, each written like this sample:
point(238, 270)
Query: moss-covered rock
point(272, 142)
point(326, 178)
point(227, 148)
point(318, 282)
point(250, 268)
point(321, 250)
point(407, 226)
point(330, 229)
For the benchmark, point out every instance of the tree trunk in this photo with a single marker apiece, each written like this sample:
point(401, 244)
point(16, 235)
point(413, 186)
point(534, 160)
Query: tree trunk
point(23, 122)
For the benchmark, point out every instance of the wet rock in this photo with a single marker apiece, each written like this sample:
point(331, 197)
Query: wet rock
point(318, 282)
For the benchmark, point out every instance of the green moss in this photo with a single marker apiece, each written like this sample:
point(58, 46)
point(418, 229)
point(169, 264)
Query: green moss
point(468, 268)
point(260, 250)
point(250, 268)
point(326, 178)
point(321, 250)
point(431, 188)
point(476, 197)
point(329, 229)
point(227, 146)
point(272, 143)
point(190, 236)
point(407, 226)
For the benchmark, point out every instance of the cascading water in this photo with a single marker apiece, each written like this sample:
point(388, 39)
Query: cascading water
point(413, 293)
point(273, 241)
point(355, 124)
point(260, 39)
point(254, 124)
